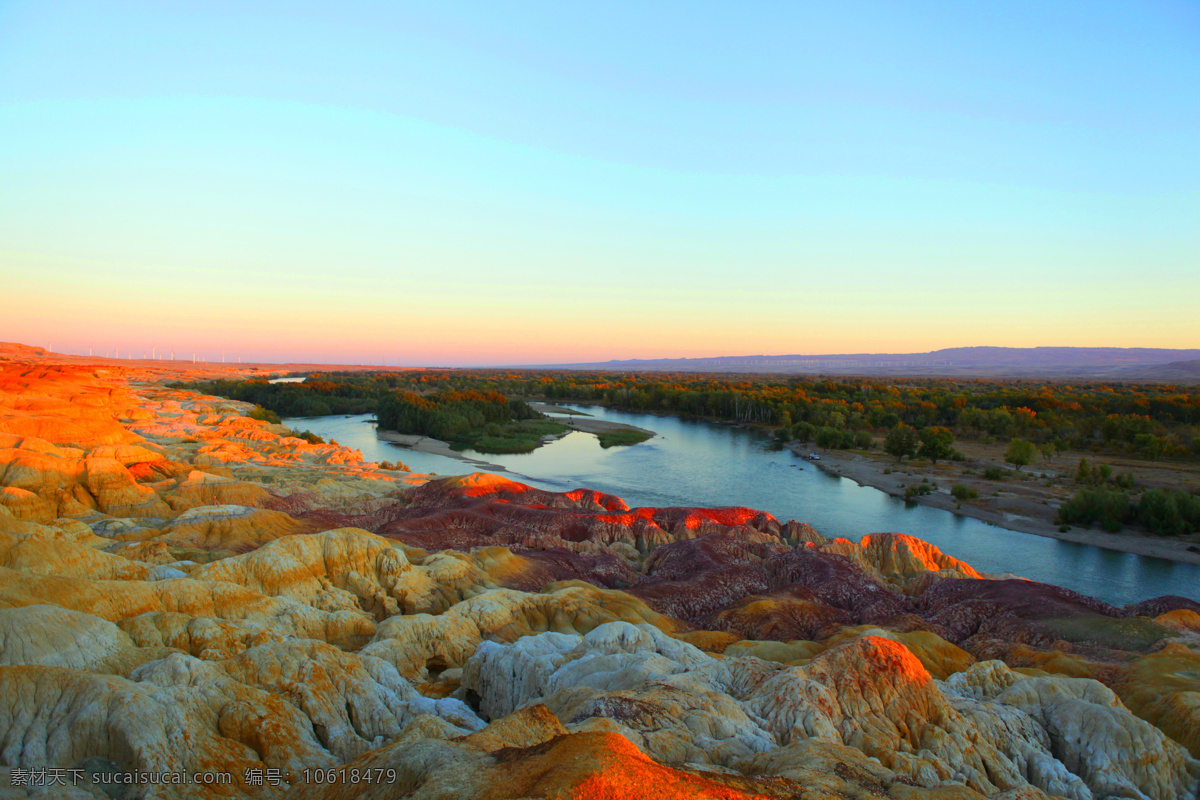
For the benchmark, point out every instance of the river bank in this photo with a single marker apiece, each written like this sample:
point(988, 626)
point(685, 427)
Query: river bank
point(1027, 506)
point(437, 447)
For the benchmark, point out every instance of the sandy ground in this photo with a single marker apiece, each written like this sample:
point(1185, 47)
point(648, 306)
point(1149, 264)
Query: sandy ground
point(424, 444)
point(1021, 505)
point(550, 408)
point(588, 424)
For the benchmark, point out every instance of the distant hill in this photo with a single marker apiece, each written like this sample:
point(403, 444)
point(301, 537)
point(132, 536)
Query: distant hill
point(15, 349)
point(1174, 372)
point(1111, 363)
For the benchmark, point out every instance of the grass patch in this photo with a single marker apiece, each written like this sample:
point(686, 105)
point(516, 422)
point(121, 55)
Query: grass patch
point(621, 437)
point(1132, 633)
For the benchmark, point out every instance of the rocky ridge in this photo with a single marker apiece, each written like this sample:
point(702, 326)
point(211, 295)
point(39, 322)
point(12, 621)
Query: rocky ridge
point(187, 590)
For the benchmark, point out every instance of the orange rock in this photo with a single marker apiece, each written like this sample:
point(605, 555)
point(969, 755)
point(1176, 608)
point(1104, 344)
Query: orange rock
point(1181, 619)
point(709, 641)
point(77, 432)
point(580, 766)
point(25, 505)
point(116, 491)
point(941, 658)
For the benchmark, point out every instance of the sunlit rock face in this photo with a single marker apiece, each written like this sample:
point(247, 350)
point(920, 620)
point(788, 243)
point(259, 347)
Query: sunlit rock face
point(185, 589)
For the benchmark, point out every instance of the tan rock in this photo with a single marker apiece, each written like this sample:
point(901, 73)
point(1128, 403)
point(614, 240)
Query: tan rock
point(1164, 689)
point(122, 600)
point(233, 528)
point(50, 636)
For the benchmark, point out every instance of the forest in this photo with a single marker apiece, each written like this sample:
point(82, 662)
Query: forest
point(914, 417)
point(1146, 420)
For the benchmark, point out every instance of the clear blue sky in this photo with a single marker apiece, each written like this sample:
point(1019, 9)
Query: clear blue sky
point(477, 183)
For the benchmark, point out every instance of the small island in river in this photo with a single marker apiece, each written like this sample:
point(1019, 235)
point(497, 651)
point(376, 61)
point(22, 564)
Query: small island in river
point(487, 422)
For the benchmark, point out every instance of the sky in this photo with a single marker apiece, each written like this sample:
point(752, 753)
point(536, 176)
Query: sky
point(450, 183)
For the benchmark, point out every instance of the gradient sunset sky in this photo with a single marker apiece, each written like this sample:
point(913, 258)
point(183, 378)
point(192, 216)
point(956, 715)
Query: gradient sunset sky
point(502, 182)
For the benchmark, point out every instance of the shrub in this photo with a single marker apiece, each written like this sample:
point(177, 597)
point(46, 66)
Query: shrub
point(995, 474)
point(863, 440)
point(918, 490)
point(309, 437)
point(963, 492)
point(1169, 513)
point(622, 437)
point(1111, 509)
point(265, 414)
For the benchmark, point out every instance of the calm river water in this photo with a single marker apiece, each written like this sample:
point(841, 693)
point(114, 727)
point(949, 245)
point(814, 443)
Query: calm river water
point(694, 463)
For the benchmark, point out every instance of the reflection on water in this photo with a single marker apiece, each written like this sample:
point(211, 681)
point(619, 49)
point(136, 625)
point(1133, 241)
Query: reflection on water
point(694, 463)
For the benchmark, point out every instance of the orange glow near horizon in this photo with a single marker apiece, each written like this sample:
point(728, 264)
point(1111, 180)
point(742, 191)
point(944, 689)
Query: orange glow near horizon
point(327, 321)
point(426, 335)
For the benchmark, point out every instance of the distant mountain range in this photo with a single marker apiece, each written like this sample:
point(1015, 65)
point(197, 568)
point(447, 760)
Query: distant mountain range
point(1108, 363)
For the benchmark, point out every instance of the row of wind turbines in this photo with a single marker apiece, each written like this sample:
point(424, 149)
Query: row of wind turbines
point(153, 355)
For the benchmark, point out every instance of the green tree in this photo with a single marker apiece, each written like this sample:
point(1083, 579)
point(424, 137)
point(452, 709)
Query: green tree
point(901, 441)
point(863, 440)
point(936, 442)
point(1020, 453)
point(829, 437)
point(1148, 445)
point(804, 431)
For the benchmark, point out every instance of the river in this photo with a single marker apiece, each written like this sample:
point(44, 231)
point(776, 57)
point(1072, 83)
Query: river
point(696, 463)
